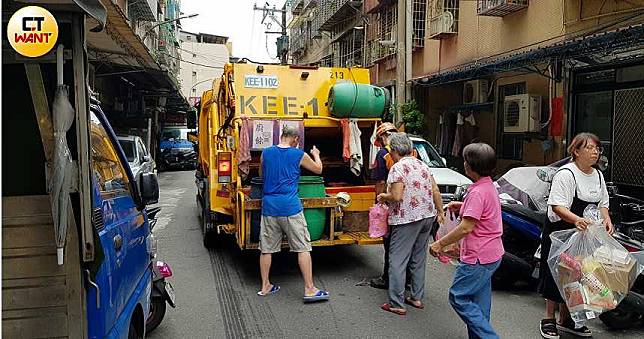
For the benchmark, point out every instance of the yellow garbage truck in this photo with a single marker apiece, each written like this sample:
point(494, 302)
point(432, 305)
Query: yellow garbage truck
point(335, 109)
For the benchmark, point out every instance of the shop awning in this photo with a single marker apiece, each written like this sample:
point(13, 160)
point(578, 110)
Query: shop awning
point(118, 43)
point(96, 10)
point(631, 37)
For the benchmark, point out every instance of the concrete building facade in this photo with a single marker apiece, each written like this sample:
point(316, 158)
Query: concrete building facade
point(203, 57)
point(530, 74)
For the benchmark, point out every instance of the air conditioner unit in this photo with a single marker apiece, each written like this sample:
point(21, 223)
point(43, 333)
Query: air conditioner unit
point(522, 113)
point(441, 24)
point(475, 91)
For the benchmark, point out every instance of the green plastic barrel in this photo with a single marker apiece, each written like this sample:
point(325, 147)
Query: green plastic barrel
point(351, 100)
point(313, 187)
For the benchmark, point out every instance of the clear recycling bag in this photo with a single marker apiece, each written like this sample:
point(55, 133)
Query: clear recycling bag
point(592, 270)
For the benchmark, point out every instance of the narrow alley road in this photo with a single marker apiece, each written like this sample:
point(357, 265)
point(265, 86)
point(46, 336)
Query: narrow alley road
point(216, 290)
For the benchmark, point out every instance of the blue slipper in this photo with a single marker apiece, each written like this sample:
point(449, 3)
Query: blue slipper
point(319, 296)
point(273, 290)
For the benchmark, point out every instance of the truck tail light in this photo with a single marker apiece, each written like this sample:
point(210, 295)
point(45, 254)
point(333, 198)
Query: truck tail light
point(224, 167)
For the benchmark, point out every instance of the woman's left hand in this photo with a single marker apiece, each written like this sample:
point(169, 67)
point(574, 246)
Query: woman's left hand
point(609, 226)
point(440, 217)
point(381, 197)
point(435, 249)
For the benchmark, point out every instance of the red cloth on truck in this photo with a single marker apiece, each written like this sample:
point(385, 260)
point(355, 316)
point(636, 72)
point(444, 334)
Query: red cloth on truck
point(346, 136)
point(243, 150)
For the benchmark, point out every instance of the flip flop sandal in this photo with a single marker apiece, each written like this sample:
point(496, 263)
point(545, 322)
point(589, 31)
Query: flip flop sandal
point(548, 329)
point(273, 290)
point(387, 307)
point(409, 302)
point(318, 296)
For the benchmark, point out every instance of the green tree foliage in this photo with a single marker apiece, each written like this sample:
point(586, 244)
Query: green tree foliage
point(413, 118)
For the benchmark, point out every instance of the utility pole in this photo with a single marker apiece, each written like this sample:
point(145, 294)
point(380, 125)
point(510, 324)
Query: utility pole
point(401, 62)
point(282, 41)
point(409, 42)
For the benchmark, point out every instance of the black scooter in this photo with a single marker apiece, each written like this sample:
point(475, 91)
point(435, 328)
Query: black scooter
point(162, 290)
point(628, 215)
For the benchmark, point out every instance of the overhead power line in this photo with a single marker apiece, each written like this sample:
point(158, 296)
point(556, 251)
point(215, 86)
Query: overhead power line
point(193, 63)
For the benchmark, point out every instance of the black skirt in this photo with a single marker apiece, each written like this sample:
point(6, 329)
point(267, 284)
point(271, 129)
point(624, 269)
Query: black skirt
point(547, 286)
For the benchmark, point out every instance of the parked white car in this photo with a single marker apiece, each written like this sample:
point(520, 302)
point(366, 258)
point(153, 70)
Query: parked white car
point(137, 155)
point(448, 180)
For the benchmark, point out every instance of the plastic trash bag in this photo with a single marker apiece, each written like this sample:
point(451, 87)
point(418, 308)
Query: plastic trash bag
point(378, 223)
point(451, 253)
point(591, 269)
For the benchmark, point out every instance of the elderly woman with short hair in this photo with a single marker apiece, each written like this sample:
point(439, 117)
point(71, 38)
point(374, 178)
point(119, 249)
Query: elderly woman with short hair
point(412, 196)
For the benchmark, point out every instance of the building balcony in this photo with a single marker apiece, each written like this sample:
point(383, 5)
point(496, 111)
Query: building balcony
point(499, 7)
point(145, 10)
point(443, 19)
point(334, 13)
point(308, 4)
point(316, 23)
point(297, 6)
point(297, 44)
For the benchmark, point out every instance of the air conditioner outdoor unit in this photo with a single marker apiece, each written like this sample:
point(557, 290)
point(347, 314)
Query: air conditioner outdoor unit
point(475, 91)
point(522, 113)
point(441, 24)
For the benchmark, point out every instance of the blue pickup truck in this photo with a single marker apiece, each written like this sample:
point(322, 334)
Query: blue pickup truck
point(76, 249)
point(177, 152)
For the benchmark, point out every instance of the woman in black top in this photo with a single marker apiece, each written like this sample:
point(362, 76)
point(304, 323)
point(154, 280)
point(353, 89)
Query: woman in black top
point(574, 187)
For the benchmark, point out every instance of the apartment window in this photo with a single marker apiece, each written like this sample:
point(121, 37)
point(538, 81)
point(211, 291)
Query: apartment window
point(419, 17)
point(349, 49)
point(509, 144)
point(382, 34)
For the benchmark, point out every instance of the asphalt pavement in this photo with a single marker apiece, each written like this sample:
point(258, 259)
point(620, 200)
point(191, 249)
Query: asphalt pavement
point(216, 290)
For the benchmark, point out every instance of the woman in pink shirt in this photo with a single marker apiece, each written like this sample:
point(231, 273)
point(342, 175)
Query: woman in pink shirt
point(479, 234)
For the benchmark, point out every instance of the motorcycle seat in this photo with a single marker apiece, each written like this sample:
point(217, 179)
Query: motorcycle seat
point(537, 217)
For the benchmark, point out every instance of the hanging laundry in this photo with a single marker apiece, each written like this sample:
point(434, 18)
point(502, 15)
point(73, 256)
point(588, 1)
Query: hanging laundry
point(448, 133)
point(466, 132)
point(373, 149)
point(355, 148)
point(243, 150)
point(467, 117)
point(456, 148)
point(346, 135)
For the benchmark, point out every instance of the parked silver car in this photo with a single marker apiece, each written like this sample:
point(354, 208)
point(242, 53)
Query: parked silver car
point(137, 155)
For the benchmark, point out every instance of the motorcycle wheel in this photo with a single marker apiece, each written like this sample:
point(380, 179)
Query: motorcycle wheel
point(133, 332)
point(503, 281)
point(157, 312)
point(619, 319)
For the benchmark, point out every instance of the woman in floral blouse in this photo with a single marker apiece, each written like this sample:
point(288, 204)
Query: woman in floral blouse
point(413, 199)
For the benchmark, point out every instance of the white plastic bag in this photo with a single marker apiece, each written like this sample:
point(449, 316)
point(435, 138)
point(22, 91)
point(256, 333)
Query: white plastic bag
point(591, 269)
